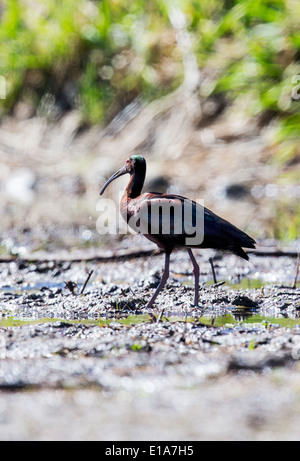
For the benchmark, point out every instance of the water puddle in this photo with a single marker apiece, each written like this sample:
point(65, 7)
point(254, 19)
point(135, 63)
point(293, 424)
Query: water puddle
point(254, 302)
point(232, 320)
point(36, 287)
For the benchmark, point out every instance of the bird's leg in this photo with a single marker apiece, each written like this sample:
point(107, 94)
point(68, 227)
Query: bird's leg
point(162, 282)
point(196, 275)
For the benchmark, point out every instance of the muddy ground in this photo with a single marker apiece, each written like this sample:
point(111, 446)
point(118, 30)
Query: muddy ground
point(91, 363)
point(88, 361)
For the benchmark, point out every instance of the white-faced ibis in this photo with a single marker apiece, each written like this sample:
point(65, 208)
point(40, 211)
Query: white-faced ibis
point(137, 210)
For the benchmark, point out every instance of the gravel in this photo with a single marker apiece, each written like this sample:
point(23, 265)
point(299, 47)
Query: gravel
point(99, 365)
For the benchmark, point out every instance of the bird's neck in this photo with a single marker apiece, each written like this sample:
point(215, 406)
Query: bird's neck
point(135, 185)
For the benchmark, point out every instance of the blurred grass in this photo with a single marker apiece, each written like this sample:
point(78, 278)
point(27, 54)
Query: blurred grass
point(97, 56)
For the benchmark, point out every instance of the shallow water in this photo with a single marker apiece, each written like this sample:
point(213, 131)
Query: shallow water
point(231, 364)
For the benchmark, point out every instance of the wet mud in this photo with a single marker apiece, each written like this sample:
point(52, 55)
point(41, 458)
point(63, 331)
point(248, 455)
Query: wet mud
point(81, 357)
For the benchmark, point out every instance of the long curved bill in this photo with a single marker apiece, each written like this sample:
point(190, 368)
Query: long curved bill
point(114, 176)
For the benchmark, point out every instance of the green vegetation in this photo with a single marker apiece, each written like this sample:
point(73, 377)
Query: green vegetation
point(285, 223)
point(11, 321)
point(100, 55)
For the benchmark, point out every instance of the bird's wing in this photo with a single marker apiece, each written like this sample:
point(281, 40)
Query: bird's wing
point(225, 234)
point(170, 216)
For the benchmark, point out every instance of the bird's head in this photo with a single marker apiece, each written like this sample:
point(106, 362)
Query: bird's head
point(134, 164)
